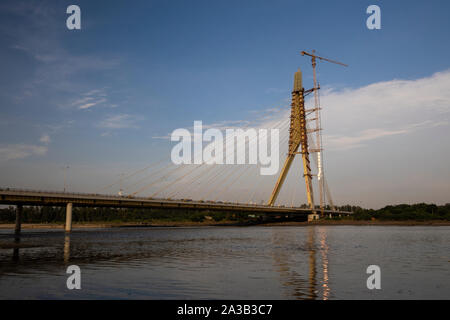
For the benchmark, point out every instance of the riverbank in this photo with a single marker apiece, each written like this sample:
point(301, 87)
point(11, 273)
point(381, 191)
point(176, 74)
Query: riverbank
point(362, 223)
point(94, 225)
point(227, 223)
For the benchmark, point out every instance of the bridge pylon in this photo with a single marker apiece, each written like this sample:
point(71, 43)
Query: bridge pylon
point(298, 139)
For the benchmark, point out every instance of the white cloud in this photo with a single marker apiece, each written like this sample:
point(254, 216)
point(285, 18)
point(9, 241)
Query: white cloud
point(90, 99)
point(45, 138)
point(55, 68)
point(223, 125)
point(99, 92)
point(82, 101)
point(20, 151)
point(91, 104)
point(350, 142)
point(120, 121)
point(352, 117)
point(167, 137)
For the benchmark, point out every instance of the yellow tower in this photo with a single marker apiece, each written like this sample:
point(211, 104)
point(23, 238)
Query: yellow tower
point(298, 137)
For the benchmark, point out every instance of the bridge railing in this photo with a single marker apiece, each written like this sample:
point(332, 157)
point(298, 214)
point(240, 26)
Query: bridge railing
point(127, 197)
point(112, 196)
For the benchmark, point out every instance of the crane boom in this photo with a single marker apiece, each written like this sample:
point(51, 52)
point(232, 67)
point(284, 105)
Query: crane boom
point(303, 53)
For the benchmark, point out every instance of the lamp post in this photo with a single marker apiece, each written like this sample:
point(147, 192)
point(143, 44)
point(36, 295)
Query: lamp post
point(65, 176)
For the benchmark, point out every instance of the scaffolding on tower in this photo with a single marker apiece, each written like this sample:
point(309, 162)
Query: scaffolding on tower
point(318, 130)
point(298, 137)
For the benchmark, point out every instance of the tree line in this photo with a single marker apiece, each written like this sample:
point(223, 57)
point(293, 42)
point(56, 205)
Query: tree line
point(418, 212)
point(47, 214)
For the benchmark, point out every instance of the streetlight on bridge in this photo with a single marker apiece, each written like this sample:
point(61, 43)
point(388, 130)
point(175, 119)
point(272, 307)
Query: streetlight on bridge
point(65, 168)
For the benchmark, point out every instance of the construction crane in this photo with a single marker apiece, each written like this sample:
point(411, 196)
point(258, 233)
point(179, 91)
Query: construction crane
point(318, 129)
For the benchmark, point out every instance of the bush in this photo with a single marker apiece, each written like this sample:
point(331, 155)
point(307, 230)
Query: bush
point(362, 216)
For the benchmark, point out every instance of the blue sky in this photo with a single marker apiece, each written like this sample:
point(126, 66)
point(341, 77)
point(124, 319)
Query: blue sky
point(98, 98)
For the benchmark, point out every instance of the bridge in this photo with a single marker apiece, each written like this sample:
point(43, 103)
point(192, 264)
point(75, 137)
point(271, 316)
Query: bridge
point(22, 198)
point(199, 186)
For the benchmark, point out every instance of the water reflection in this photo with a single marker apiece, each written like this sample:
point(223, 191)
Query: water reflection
point(290, 261)
point(226, 263)
point(113, 248)
point(324, 253)
point(312, 262)
point(66, 248)
point(16, 245)
point(292, 281)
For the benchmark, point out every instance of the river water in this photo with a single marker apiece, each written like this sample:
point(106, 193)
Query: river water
point(312, 262)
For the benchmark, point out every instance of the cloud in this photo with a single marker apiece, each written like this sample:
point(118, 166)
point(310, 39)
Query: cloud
point(392, 100)
point(221, 125)
point(90, 99)
point(350, 142)
point(353, 117)
point(98, 92)
point(106, 134)
point(36, 31)
point(45, 138)
point(91, 104)
point(167, 137)
point(82, 101)
point(228, 124)
point(61, 125)
point(120, 121)
point(20, 151)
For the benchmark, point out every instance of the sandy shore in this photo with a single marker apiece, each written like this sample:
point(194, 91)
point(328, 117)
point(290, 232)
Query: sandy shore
point(228, 223)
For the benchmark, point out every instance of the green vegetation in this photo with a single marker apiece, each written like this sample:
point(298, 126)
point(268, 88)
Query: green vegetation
point(88, 215)
point(417, 212)
point(402, 212)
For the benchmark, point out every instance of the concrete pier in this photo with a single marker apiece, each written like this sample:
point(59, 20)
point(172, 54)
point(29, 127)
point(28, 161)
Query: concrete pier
point(19, 211)
point(312, 217)
point(69, 217)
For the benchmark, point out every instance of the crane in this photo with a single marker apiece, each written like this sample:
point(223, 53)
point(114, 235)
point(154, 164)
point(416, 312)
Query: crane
point(320, 176)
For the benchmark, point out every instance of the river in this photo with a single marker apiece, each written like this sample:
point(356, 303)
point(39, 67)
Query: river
point(303, 262)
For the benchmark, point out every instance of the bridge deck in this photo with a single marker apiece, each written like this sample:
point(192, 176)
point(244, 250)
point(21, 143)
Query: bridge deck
point(45, 198)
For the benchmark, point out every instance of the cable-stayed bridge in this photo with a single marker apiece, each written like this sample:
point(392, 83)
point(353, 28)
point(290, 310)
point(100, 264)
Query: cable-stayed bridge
point(217, 186)
point(48, 198)
point(22, 198)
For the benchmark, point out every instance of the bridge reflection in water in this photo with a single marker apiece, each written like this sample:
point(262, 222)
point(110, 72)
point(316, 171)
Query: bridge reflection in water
point(66, 248)
point(66, 251)
point(289, 262)
point(312, 262)
point(298, 277)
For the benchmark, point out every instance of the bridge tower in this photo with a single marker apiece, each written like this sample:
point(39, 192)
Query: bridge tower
point(298, 138)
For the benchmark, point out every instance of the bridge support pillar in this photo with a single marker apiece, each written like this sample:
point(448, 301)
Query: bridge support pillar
point(19, 211)
point(69, 217)
point(312, 217)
